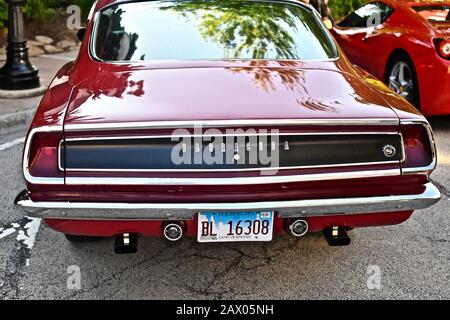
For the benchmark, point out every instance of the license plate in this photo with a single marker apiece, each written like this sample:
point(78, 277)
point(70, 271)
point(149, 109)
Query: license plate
point(235, 226)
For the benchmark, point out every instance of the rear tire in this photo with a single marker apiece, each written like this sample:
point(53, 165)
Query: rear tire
point(401, 77)
point(81, 239)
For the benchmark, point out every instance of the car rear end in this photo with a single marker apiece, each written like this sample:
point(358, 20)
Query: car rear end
point(346, 174)
point(223, 149)
point(434, 67)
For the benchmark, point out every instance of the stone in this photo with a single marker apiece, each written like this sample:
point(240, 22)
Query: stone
point(44, 39)
point(34, 51)
point(52, 49)
point(65, 44)
point(35, 43)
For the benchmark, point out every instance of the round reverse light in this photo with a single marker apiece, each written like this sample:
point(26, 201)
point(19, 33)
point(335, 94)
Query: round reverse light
point(445, 48)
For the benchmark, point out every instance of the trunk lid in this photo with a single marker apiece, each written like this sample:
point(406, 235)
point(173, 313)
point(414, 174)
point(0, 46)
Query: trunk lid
point(193, 94)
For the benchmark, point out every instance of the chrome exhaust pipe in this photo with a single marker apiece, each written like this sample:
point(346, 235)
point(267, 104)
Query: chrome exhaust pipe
point(173, 231)
point(336, 236)
point(126, 243)
point(298, 228)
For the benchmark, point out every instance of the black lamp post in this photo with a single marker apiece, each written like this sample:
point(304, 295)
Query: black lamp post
point(17, 73)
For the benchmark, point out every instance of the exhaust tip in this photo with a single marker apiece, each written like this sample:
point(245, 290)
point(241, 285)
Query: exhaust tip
point(336, 236)
point(173, 232)
point(298, 228)
point(126, 243)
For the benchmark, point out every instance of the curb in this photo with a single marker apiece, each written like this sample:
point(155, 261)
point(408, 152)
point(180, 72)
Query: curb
point(17, 94)
point(16, 119)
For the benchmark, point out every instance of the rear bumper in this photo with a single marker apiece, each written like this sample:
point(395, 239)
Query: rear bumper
point(187, 211)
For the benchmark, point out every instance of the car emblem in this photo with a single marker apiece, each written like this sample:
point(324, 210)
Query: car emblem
point(389, 151)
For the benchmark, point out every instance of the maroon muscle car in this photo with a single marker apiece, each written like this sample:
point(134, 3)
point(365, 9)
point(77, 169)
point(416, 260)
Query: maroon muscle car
point(224, 121)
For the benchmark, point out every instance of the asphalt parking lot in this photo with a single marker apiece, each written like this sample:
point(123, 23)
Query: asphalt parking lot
point(413, 258)
point(36, 262)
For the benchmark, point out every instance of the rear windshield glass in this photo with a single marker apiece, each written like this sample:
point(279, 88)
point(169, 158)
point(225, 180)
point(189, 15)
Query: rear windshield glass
point(434, 13)
point(210, 30)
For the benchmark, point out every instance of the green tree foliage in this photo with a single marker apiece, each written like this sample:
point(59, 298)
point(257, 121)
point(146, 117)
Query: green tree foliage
point(340, 8)
point(34, 10)
point(44, 10)
point(85, 6)
point(3, 13)
point(39, 10)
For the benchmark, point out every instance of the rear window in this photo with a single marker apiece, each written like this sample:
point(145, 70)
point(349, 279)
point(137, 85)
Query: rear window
point(210, 30)
point(434, 13)
point(374, 12)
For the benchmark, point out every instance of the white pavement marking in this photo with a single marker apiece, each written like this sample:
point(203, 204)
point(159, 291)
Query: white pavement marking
point(11, 144)
point(57, 57)
point(6, 232)
point(28, 233)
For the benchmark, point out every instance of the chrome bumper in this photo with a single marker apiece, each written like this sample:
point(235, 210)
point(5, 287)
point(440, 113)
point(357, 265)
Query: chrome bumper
point(186, 211)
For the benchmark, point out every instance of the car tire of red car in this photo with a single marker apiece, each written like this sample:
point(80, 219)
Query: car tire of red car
point(81, 239)
point(402, 87)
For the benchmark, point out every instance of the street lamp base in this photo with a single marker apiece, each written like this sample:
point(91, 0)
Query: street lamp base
point(18, 73)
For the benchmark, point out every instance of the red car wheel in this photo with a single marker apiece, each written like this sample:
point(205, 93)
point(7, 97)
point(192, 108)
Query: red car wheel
point(401, 77)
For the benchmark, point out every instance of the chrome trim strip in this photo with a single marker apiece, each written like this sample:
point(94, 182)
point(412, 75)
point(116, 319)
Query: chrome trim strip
point(229, 123)
point(427, 169)
point(233, 135)
point(355, 164)
point(286, 209)
point(111, 181)
point(331, 166)
point(59, 156)
point(26, 159)
point(228, 181)
point(402, 145)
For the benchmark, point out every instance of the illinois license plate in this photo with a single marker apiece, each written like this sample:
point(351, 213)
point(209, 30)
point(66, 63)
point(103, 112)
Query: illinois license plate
point(235, 226)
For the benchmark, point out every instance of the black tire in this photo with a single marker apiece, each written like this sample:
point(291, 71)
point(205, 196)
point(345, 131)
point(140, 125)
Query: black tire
point(414, 98)
point(81, 239)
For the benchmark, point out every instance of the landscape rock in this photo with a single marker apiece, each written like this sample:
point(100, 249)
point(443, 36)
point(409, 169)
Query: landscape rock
point(34, 51)
point(52, 49)
point(65, 44)
point(2, 54)
point(35, 43)
point(44, 39)
point(76, 48)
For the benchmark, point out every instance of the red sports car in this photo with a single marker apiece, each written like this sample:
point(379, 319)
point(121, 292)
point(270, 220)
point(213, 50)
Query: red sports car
point(224, 121)
point(407, 45)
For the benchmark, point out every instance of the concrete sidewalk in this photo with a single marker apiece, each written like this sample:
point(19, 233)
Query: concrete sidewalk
point(14, 112)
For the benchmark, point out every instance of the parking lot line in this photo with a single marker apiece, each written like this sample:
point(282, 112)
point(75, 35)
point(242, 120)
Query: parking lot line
point(11, 144)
